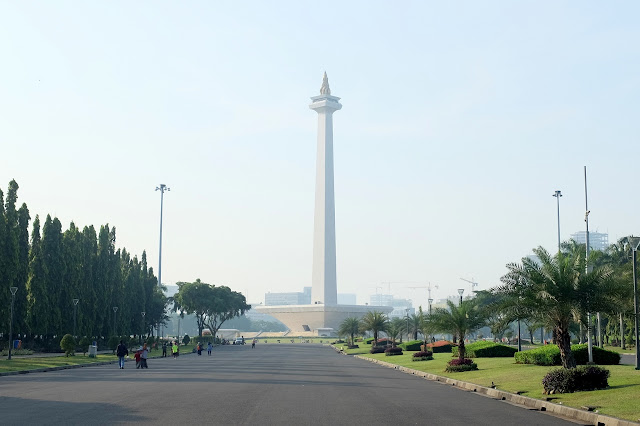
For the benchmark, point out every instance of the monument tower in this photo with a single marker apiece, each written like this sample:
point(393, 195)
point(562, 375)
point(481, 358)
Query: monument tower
point(324, 288)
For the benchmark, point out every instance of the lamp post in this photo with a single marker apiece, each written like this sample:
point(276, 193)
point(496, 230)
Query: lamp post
point(430, 300)
point(634, 242)
point(75, 306)
point(13, 298)
point(162, 188)
point(461, 292)
point(407, 310)
point(558, 194)
point(143, 314)
point(115, 329)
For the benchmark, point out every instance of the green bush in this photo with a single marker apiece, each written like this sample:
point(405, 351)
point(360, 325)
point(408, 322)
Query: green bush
point(393, 351)
point(5, 352)
point(368, 340)
point(84, 344)
point(113, 343)
point(550, 355)
point(583, 378)
point(484, 349)
point(458, 365)
point(377, 349)
point(186, 339)
point(68, 344)
point(413, 345)
point(422, 356)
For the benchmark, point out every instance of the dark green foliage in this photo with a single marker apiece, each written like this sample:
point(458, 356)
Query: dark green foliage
point(550, 355)
point(484, 349)
point(413, 345)
point(68, 344)
point(84, 344)
point(568, 380)
point(368, 340)
point(393, 351)
point(422, 356)
point(186, 339)
point(459, 365)
point(377, 349)
point(113, 343)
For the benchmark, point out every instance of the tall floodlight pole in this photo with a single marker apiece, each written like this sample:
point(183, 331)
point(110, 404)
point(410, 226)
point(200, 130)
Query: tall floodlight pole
point(324, 287)
point(558, 194)
point(634, 242)
point(75, 306)
point(115, 328)
point(461, 292)
point(588, 267)
point(162, 188)
point(13, 298)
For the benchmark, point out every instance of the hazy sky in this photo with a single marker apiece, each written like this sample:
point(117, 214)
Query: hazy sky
point(459, 121)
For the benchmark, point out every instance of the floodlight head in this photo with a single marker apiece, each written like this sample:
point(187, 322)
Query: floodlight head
point(634, 242)
point(144, 313)
point(557, 194)
point(460, 291)
point(75, 301)
point(430, 301)
point(13, 290)
point(115, 309)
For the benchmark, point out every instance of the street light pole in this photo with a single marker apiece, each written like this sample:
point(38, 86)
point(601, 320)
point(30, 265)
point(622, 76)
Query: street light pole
point(143, 314)
point(588, 267)
point(162, 188)
point(407, 309)
point(13, 298)
point(461, 292)
point(430, 300)
point(75, 306)
point(635, 242)
point(115, 328)
point(558, 194)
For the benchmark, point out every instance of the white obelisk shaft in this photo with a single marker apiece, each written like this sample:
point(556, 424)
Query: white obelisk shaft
point(324, 283)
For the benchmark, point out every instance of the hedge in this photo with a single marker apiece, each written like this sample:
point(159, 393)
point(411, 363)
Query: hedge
point(583, 378)
point(438, 347)
point(550, 355)
point(413, 345)
point(484, 349)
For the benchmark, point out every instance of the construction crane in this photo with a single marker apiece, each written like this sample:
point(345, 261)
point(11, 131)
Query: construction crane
point(428, 287)
point(473, 284)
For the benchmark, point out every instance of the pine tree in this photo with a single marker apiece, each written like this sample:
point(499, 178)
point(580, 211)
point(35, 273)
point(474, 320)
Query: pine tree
point(37, 296)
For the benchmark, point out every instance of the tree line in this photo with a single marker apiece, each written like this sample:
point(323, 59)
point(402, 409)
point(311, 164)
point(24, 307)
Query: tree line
point(50, 267)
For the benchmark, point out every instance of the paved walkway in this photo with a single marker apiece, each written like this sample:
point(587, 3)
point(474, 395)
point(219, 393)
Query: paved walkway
point(270, 385)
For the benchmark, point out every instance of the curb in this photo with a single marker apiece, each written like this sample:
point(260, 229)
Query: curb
point(67, 367)
point(531, 403)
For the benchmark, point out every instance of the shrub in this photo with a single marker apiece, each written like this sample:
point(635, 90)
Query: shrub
point(5, 352)
point(583, 378)
point(438, 347)
point(458, 365)
point(113, 343)
point(422, 356)
point(186, 339)
point(68, 344)
point(413, 345)
point(384, 342)
point(377, 349)
point(550, 355)
point(393, 351)
point(484, 349)
point(353, 346)
point(368, 341)
point(84, 344)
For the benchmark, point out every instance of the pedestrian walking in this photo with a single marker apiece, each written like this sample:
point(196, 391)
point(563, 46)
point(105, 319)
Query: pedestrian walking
point(174, 350)
point(253, 344)
point(164, 349)
point(121, 351)
point(138, 357)
point(143, 356)
point(199, 348)
point(209, 348)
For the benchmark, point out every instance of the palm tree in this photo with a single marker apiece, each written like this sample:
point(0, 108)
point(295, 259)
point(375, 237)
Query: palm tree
point(349, 327)
point(459, 320)
point(395, 328)
point(414, 325)
point(374, 322)
point(558, 290)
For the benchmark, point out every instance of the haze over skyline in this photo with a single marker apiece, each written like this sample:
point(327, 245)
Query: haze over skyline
point(459, 122)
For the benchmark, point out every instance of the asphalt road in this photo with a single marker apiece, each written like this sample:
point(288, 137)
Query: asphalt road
point(302, 384)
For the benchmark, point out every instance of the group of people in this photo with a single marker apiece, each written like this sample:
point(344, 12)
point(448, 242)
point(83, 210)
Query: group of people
point(209, 348)
point(140, 355)
point(175, 351)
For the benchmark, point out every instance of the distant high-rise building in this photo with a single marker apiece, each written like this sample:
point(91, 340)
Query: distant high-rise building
point(399, 306)
point(597, 240)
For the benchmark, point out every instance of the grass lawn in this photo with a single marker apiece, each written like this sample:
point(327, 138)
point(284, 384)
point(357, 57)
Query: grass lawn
point(619, 400)
point(32, 363)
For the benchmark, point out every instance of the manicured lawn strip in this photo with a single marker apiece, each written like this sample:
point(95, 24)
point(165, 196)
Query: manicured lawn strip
point(25, 364)
point(619, 400)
